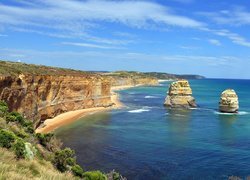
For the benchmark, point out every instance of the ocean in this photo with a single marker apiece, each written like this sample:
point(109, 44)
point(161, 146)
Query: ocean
point(145, 140)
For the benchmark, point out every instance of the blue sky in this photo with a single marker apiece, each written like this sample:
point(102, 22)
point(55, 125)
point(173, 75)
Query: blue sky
point(205, 37)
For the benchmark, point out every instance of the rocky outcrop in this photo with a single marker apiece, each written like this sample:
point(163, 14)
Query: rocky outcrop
point(229, 101)
point(180, 95)
point(39, 97)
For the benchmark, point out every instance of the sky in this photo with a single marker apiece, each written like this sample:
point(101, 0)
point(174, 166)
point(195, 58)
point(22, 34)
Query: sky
point(205, 37)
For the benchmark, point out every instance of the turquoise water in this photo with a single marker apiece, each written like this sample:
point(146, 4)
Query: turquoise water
point(148, 141)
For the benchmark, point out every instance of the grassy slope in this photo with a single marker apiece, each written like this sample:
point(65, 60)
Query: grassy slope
point(11, 168)
point(15, 68)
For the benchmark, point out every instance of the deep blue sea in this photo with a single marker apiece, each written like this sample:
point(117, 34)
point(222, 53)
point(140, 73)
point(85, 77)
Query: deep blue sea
point(148, 141)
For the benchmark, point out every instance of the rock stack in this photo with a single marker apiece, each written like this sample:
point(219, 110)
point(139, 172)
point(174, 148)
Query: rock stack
point(229, 101)
point(180, 95)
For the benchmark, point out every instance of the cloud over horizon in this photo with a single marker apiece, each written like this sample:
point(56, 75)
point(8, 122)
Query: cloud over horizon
point(175, 29)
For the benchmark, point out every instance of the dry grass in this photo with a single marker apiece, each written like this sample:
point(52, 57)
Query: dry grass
point(10, 168)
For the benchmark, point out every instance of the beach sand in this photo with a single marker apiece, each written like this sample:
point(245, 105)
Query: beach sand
point(71, 116)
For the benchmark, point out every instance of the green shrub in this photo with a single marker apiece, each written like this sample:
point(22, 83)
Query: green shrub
point(10, 118)
point(6, 138)
point(94, 175)
point(19, 148)
point(28, 126)
point(29, 130)
point(18, 131)
point(15, 117)
point(116, 176)
point(77, 170)
point(3, 108)
point(63, 159)
point(44, 138)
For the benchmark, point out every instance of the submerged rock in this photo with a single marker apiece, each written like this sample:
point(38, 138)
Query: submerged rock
point(229, 102)
point(180, 95)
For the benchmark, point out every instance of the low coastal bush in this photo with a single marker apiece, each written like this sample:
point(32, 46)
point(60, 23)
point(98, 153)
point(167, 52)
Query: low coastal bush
point(6, 138)
point(77, 170)
point(64, 159)
point(15, 117)
point(18, 139)
point(94, 175)
point(3, 108)
point(19, 148)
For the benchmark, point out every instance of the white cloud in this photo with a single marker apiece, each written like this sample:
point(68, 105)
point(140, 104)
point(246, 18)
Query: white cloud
point(214, 42)
point(220, 66)
point(234, 17)
point(190, 47)
point(77, 16)
point(234, 37)
point(89, 45)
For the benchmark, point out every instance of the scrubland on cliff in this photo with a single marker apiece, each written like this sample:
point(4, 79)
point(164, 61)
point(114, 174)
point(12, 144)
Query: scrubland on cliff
point(27, 155)
point(15, 68)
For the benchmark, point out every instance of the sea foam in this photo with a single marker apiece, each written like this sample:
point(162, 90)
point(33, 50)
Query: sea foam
point(239, 113)
point(139, 110)
point(150, 97)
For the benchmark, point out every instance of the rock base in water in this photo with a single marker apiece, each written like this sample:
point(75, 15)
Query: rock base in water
point(180, 95)
point(229, 101)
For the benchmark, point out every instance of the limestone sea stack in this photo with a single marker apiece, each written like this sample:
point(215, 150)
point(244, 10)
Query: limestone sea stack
point(229, 102)
point(180, 95)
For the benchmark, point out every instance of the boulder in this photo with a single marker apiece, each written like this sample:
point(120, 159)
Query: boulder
point(180, 95)
point(229, 102)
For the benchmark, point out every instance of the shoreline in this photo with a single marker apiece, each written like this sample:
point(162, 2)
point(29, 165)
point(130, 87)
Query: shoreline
point(63, 119)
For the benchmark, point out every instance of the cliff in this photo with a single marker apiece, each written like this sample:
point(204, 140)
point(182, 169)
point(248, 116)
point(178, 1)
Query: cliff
point(180, 95)
point(39, 97)
point(41, 92)
point(126, 78)
point(159, 75)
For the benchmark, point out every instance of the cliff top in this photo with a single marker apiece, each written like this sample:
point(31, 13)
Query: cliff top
point(158, 75)
point(8, 68)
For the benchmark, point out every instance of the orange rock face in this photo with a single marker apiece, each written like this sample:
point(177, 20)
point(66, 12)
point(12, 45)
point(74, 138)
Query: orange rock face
point(41, 97)
point(130, 81)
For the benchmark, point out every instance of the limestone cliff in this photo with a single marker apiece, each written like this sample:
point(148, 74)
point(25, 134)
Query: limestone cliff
point(229, 101)
point(39, 97)
point(132, 81)
point(180, 95)
point(41, 92)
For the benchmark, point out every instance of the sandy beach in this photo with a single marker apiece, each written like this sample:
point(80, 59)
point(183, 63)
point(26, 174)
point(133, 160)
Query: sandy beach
point(71, 116)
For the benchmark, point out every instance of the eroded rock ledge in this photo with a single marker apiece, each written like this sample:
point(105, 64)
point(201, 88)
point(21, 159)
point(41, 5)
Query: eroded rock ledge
point(180, 95)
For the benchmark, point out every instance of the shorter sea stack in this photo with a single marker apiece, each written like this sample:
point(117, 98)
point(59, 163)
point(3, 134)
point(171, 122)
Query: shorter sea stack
point(180, 95)
point(229, 101)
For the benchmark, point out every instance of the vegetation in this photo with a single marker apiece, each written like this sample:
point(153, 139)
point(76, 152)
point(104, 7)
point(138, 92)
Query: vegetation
point(22, 169)
point(26, 155)
point(156, 75)
point(16, 68)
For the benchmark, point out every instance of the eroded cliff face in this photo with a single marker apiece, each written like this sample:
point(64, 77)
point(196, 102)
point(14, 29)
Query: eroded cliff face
point(41, 97)
point(131, 81)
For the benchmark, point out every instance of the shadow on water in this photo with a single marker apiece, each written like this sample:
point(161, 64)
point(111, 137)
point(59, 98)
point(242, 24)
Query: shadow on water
point(228, 133)
point(178, 125)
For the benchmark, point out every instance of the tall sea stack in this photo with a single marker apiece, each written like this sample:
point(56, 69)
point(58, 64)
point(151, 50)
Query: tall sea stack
point(180, 95)
point(229, 101)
